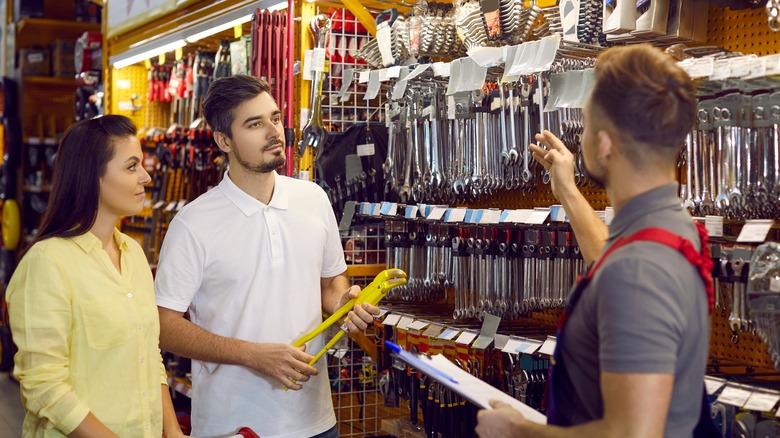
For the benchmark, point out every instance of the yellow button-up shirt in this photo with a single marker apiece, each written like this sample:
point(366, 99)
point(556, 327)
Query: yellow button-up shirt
point(88, 338)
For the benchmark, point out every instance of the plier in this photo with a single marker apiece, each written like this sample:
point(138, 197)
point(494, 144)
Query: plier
point(371, 294)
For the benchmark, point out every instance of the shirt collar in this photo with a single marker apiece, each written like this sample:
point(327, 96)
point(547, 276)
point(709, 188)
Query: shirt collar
point(640, 206)
point(249, 205)
point(88, 241)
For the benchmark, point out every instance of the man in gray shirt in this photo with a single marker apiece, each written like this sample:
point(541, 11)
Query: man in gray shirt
point(637, 340)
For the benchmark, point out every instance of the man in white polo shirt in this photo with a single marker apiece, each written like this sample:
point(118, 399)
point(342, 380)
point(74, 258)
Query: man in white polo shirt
point(256, 260)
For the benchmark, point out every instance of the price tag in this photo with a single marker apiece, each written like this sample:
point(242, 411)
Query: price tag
point(714, 225)
point(490, 216)
point(417, 325)
point(466, 338)
point(392, 320)
point(548, 347)
point(456, 215)
point(417, 71)
point(180, 204)
point(483, 342)
point(531, 346)
point(721, 70)
point(384, 40)
point(755, 230)
point(762, 402)
point(123, 84)
point(366, 150)
point(538, 216)
point(363, 76)
point(713, 385)
point(512, 345)
point(403, 324)
point(740, 67)
point(518, 216)
point(318, 60)
point(773, 65)
point(774, 285)
point(731, 395)
point(701, 68)
point(382, 313)
point(449, 334)
point(388, 209)
point(372, 90)
point(171, 205)
point(437, 213)
point(757, 68)
point(394, 72)
point(441, 69)
point(433, 331)
point(410, 212)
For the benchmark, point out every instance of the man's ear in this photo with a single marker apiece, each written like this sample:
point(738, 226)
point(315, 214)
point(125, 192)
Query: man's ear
point(223, 142)
point(607, 144)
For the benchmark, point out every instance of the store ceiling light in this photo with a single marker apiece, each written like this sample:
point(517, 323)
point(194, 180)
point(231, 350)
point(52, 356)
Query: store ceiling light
point(218, 28)
point(150, 53)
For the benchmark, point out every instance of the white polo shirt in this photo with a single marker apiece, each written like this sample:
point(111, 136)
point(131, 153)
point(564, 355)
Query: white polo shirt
point(252, 271)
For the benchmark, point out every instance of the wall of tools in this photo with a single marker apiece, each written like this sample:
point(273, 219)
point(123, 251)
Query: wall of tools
point(465, 151)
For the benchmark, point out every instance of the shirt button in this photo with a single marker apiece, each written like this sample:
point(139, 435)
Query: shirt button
point(140, 326)
point(267, 209)
point(129, 295)
point(142, 360)
point(146, 393)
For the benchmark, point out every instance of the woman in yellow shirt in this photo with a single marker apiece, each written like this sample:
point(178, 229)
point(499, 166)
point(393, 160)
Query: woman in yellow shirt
point(81, 302)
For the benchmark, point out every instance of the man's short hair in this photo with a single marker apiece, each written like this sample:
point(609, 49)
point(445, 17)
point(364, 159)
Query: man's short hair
point(646, 97)
point(225, 95)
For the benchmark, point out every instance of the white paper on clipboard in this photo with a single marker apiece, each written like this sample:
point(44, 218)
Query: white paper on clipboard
point(476, 391)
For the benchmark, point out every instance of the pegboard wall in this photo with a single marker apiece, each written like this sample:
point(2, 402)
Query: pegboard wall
point(129, 87)
point(742, 31)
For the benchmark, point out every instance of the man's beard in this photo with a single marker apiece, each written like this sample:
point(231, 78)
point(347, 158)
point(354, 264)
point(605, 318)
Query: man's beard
point(265, 167)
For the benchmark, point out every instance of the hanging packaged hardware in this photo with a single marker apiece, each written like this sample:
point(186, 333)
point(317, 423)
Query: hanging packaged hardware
point(314, 133)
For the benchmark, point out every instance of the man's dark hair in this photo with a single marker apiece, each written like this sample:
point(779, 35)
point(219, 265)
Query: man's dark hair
point(225, 95)
point(646, 97)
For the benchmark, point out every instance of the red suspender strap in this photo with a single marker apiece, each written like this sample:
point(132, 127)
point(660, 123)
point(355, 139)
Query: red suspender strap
point(701, 260)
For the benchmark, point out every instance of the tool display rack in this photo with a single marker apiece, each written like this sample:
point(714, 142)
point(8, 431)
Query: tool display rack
point(338, 116)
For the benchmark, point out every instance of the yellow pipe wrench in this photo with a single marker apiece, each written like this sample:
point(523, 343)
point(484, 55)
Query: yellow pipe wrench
point(371, 294)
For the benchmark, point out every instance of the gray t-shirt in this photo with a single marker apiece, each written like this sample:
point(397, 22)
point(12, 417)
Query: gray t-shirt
point(645, 311)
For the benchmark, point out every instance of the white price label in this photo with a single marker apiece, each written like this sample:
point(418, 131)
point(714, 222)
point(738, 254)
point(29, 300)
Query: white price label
point(538, 216)
point(774, 284)
point(449, 334)
point(512, 345)
point(762, 402)
point(433, 331)
point(466, 338)
point(457, 215)
point(318, 60)
point(366, 150)
point(713, 385)
point(548, 347)
point(731, 395)
point(714, 225)
point(490, 216)
point(437, 213)
point(755, 230)
point(531, 346)
point(702, 68)
point(392, 320)
point(384, 39)
point(403, 324)
point(417, 325)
